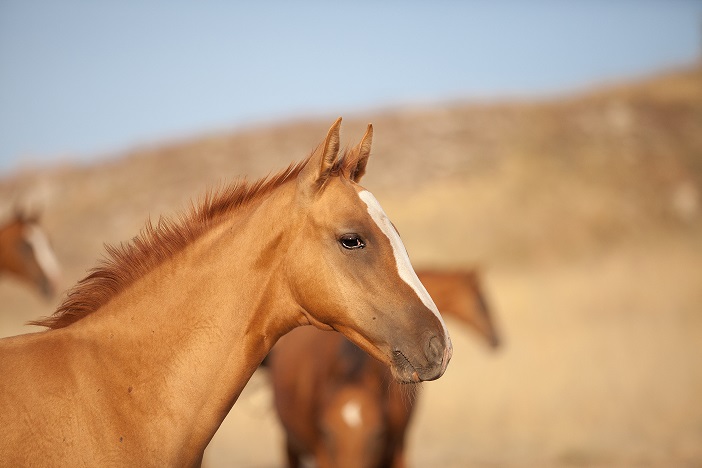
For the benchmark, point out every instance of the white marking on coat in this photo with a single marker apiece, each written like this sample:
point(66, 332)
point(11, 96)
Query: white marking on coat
point(42, 251)
point(351, 413)
point(404, 267)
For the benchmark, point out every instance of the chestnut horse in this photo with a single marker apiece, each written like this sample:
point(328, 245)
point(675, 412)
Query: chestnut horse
point(149, 352)
point(25, 253)
point(339, 405)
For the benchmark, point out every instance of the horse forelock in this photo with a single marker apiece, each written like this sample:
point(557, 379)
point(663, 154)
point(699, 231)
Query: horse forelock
point(342, 168)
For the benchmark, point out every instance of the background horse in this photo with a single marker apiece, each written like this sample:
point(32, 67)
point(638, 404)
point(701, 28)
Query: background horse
point(459, 293)
point(25, 252)
point(341, 406)
point(149, 352)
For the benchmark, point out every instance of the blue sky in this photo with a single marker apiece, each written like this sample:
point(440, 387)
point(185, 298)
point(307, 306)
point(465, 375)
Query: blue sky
point(82, 79)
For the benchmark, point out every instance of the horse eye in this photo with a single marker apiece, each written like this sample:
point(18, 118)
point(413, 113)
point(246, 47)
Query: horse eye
point(351, 241)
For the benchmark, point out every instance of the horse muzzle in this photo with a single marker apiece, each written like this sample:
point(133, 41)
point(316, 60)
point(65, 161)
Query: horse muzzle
point(408, 368)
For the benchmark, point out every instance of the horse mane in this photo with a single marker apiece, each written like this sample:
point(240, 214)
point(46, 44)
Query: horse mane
point(126, 262)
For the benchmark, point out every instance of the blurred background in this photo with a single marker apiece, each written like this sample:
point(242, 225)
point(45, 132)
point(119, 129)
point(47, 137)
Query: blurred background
point(555, 145)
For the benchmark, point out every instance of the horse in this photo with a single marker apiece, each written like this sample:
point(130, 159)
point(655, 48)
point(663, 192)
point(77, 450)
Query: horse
point(459, 293)
point(25, 253)
point(148, 353)
point(339, 405)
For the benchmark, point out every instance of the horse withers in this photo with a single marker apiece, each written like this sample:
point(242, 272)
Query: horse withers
point(26, 253)
point(148, 353)
point(340, 406)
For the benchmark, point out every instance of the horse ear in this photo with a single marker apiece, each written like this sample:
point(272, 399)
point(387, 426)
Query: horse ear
point(322, 161)
point(357, 158)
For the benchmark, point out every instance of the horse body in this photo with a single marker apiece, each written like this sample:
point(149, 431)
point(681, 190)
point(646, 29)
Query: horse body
point(338, 404)
point(149, 353)
point(327, 394)
point(25, 253)
point(342, 407)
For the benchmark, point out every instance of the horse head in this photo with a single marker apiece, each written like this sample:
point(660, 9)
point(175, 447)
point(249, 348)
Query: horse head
point(351, 272)
point(25, 252)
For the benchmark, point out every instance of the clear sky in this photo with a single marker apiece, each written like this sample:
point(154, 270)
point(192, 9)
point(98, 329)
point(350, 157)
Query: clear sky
point(82, 78)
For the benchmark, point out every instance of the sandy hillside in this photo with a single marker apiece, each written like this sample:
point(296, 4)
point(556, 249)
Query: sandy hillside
point(583, 211)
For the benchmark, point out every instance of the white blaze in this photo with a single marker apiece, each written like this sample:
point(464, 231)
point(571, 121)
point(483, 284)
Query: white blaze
point(351, 413)
point(404, 267)
point(42, 251)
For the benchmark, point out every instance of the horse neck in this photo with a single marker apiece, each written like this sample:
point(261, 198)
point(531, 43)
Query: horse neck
point(194, 329)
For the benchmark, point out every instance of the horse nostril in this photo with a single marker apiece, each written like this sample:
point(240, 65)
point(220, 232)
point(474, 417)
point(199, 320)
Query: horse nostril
point(435, 350)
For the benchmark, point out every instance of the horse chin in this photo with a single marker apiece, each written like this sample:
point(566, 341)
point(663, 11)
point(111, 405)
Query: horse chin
point(405, 371)
point(402, 369)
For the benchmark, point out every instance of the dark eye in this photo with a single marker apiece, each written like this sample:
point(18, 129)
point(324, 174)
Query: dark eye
point(351, 241)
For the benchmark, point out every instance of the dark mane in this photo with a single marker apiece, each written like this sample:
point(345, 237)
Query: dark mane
point(127, 262)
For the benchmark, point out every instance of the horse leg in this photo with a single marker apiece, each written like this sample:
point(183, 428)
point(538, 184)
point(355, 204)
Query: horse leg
point(398, 456)
point(294, 458)
point(398, 461)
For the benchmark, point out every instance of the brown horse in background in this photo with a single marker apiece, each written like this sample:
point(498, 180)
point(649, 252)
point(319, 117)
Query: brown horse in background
point(149, 352)
point(339, 405)
point(25, 253)
point(459, 293)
